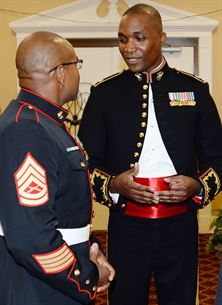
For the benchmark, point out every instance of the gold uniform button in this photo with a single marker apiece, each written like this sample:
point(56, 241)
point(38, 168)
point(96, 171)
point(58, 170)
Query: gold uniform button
point(109, 205)
point(144, 105)
point(87, 282)
point(77, 272)
point(144, 114)
point(144, 96)
point(139, 144)
point(123, 205)
point(94, 288)
point(145, 87)
point(143, 124)
point(136, 154)
point(141, 134)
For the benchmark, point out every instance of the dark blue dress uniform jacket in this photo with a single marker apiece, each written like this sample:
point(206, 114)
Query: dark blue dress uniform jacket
point(44, 185)
point(114, 124)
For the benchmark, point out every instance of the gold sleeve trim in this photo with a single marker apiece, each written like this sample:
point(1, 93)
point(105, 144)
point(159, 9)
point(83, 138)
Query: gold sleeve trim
point(100, 184)
point(211, 183)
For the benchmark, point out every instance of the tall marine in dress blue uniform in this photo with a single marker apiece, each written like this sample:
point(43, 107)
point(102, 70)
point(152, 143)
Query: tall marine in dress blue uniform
point(153, 223)
point(46, 199)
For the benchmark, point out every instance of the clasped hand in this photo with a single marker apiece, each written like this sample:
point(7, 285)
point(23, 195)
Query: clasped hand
point(106, 271)
point(180, 188)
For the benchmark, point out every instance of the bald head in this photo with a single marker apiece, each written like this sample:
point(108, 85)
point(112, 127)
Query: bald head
point(40, 52)
point(148, 10)
point(46, 65)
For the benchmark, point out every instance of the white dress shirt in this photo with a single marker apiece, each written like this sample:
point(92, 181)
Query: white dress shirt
point(154, 160)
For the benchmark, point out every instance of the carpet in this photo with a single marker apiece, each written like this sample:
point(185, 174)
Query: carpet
point(208, 274)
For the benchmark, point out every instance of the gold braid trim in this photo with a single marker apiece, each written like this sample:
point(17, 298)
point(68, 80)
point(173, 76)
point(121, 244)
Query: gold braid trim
point(210, 185)
point(108, 78)
point(192, 75)
point(100, 184)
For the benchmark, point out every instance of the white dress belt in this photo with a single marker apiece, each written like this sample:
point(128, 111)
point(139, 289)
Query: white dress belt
point(70, 236)
point(76, 235)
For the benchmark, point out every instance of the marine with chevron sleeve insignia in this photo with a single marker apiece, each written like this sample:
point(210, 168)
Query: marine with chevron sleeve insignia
point(47, 256)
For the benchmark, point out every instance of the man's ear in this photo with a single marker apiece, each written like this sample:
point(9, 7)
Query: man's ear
point(163, 38)
point(60, 74)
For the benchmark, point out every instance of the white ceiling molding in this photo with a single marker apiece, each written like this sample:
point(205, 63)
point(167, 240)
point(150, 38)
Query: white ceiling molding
point(79, 19)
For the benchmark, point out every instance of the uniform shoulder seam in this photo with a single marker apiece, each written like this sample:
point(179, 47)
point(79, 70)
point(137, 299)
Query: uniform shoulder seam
point(108, 78)
point(191, 75)
point(32, 115)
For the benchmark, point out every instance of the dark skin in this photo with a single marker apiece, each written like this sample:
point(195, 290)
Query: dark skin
point(140, 41)
point(36, 56)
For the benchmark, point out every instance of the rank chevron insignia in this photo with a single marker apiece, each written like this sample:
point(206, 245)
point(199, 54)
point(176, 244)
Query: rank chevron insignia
point(31, 183)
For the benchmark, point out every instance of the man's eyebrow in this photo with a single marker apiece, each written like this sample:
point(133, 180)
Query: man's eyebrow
point(134, 33)
point(137, 33)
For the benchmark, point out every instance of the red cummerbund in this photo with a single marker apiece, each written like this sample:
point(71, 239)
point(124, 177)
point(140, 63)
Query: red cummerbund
point(160, 210)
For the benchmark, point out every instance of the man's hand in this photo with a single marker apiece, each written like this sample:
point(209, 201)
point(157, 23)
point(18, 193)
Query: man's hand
point(180, 189)
point(106, 271)
point(125, 185)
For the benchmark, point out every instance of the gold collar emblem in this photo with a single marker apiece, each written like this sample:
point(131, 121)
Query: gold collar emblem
point(60, 115)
